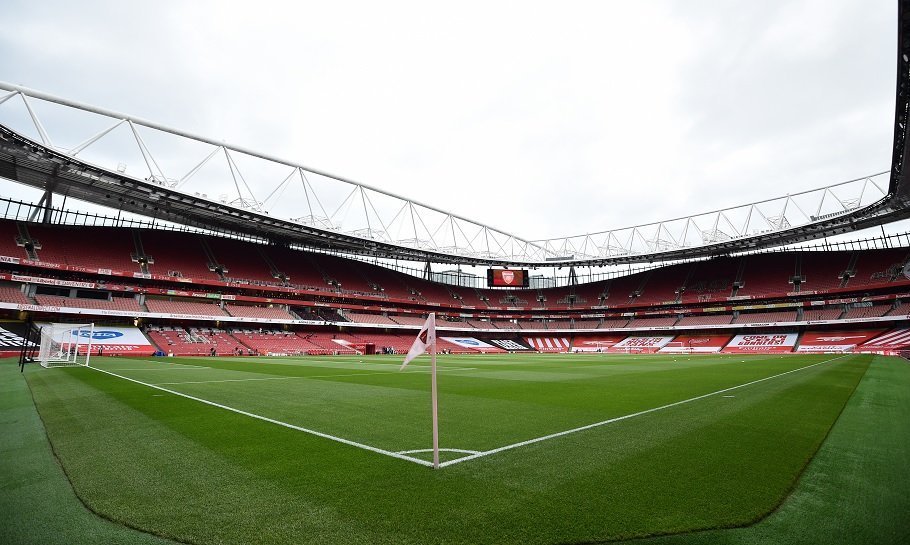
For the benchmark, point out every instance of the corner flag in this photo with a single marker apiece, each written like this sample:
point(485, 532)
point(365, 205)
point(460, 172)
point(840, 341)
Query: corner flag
point(427, 339)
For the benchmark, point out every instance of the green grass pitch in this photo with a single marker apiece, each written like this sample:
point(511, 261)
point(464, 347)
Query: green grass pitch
point(537, 449)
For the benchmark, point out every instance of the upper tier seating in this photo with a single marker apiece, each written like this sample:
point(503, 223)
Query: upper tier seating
point(822, 270)
point(176, 254)
point(8, 247)
point(243, 261)
point(89, 247)
point(767, 274)
point(298, 268)
point(346, 277)
point(662, 284)
point(878, 267)
point(710, 280)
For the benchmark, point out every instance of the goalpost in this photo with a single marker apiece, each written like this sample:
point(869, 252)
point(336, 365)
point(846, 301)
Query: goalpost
point(677, 347)
point(65, 344)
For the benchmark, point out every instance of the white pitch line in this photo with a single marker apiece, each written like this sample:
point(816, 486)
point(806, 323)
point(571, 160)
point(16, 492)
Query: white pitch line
point(625, 417)
point(162, 368)
point(274, 378)
point(273, 421)
point(286, 378)
point(419, 450)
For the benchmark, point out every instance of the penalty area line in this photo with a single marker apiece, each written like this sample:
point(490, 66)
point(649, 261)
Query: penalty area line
point(624, 417)
point(273, 421)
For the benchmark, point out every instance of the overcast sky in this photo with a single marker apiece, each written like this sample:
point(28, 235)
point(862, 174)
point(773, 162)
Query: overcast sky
point(543, 119)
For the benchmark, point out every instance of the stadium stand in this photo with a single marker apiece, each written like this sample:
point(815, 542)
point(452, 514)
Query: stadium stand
point(409, 320)
point(872, 311)
point(662, 285)
point(705, 319)
point(823, 271)
point(274, 342)
point(193, 342)
point(652, 322)
point(890, 341)
point(8, 236)
point(622, 291)
point(559, 324)
point(126, 304)
point(766, 274)
point(614, 323)
point(184, 307)
point(13, 294)
point(326, 284)
point(342, 275)
point(295, 266)
point(243, 261)
point(822, 314)
point(878, 267)
point(710, 280)
point(586, 324)
point(89, 247)
point(265, 313)
point(766, 317)
point(176, 254)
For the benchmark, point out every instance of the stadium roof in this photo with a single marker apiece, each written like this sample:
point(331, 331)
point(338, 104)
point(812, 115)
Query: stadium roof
point(340, 214)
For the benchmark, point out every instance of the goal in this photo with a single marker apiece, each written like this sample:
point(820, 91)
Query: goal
point(65, 344)
point(676, 347)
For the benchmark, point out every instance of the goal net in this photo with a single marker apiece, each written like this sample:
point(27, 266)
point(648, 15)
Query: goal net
point(676, 347)
point(65, 344)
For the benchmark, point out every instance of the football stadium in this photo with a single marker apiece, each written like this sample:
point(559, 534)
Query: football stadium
point(203, 343)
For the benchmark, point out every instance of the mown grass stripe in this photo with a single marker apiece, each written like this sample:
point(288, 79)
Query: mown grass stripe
point(274, 421)
point(624, 417)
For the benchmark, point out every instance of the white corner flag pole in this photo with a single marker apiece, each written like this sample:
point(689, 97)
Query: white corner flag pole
point(435, 407)
point(427, 339)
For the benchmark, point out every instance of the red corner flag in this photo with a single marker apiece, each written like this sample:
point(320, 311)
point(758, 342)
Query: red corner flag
point(425, 339)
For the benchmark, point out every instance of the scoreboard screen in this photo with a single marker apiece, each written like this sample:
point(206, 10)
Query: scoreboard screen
point(509, 278)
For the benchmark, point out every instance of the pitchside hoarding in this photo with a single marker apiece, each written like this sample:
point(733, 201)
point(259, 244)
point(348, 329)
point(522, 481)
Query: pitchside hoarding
point(115, 340)
point(549, 344)
point(472, 343)
point(644, 344)
point(699, 344)
point(782, 342)
point(834, 341)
